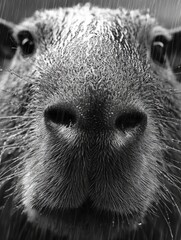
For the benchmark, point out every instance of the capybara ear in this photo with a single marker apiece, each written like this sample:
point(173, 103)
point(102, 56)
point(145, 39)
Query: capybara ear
point(8, 44)
point(166, 48)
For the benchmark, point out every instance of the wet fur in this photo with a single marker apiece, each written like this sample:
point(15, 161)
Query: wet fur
point(96, 59)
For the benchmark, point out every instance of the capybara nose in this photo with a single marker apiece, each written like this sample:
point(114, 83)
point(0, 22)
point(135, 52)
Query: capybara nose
point(129, 120)
point(60, 114)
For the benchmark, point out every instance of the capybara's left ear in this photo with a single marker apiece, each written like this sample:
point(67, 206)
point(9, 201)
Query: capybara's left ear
point(8, 44)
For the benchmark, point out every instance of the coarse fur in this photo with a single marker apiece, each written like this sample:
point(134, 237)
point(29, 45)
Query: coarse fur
point(90, 180)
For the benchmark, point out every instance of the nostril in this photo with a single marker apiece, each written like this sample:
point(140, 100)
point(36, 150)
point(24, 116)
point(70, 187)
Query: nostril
point(128, 121)
point(60, 115)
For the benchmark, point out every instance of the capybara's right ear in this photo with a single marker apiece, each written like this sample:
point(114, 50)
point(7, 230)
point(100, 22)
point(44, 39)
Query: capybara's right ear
point(8, 44)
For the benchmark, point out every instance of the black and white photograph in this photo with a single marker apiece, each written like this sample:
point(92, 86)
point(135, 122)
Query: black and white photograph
point(90, 120)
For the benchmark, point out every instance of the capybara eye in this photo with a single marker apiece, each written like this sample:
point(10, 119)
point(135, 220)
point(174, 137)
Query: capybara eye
point(26, 42)
point(158, 49)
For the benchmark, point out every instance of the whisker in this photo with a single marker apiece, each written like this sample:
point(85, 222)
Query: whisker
point(167, 222)
point(14, 131)
point(25, 78)
point(172, 148)
point(9, 161)
point(17, 116)
point(171, 179)
point(10, 147)
point(11, 168)
point(171, 140)
point(9, 177)
point(173, 166)
point(175, 122)
point(168, 118)
point(173, 200)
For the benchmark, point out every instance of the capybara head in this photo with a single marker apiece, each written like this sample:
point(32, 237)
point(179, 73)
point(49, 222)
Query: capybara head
point(90, 121)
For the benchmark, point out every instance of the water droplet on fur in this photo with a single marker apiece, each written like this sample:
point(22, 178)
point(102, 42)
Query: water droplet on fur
point(113, 223)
